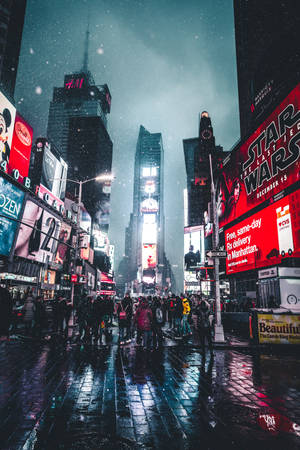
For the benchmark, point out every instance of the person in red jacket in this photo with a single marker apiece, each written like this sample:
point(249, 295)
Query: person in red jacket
point(143, 319)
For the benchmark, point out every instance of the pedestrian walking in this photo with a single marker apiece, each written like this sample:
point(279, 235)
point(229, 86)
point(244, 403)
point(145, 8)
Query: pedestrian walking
point(158, 322)
point(177, 314)
point(144, 321)
point(203, 325)
point(6, 311)
point(29, 311)
point(81, 316)
point(39, 317)
point(186, 311)
point(127, 305)
point(171, 309)
point(67, 316)
point(122, 320)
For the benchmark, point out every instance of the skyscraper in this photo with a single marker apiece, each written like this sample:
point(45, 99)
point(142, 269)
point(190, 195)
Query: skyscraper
point(77, 124)
point(12, 13)
point(268, 56)
point(148, 268)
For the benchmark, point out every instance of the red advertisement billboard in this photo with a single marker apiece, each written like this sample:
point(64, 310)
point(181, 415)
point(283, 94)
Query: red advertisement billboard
point(266, 237)
point(264, 165)
point(20, 148)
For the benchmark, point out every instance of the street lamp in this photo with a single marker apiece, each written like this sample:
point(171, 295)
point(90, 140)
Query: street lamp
point(99, 178)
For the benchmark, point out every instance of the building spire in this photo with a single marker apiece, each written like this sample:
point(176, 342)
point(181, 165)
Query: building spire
point(86, 48)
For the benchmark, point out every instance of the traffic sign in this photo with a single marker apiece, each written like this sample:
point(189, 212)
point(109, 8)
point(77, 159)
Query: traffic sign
point(216, 254)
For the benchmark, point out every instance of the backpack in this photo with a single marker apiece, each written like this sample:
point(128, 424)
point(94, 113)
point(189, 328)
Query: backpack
point(159, 315)
point(122, 315)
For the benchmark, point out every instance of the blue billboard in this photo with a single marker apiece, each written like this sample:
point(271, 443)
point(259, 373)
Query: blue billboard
point(11, 200)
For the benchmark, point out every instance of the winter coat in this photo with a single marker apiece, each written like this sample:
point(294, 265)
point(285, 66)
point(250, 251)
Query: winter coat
point(178, 309)
point(29, 309)
point(186, 307)
point(144, 318)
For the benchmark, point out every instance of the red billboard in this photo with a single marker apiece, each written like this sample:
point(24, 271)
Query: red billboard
point(265, 238)
point(264, 165)
point(20, 148)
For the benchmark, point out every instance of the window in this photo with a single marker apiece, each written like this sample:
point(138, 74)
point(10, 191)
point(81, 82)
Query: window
point(146, 171)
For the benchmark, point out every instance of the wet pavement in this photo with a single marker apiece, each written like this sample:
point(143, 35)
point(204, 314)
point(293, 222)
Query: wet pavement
point(74, 396)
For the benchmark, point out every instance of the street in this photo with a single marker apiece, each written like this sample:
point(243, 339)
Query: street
point(74, 396)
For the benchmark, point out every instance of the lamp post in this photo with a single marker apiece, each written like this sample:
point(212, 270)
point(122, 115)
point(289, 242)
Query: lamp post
point(103, 178)
point(219, 331)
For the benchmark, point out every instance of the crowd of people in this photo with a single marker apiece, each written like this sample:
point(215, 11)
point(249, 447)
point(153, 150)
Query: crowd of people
point(144, 320)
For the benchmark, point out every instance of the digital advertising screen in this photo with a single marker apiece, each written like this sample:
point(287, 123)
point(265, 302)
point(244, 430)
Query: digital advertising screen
point(193, 247)
point(11, 200)
point(264, 165)
point(7, 121)
point(54, 173)
point(101, 241)
point(38, 233)
point(62, 247)
point(266, 237)
point(20, 148)
point(149, 256)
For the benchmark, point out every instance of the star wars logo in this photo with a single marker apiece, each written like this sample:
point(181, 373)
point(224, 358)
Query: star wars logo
point(265, 160)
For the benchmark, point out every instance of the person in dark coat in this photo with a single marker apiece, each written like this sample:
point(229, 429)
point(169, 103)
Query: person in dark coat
point(203, 325)
point(6, 308)
point(39, 316)
point(177, 314)
point(67, 316)
point(144, 320)
point(159, 319)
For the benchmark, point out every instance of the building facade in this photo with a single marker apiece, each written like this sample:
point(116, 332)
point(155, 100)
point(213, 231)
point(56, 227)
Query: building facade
point(148, 269)
point(268, 56)
point(77, 124)
point(12, 14)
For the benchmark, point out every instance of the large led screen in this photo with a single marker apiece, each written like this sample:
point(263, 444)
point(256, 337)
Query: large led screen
point(38, 234)
point(266, 237)
point(193, 247)
point(7, 120)
point(149, 256)
point(11, 199)
point(264, 165)
point(21, 147)
point(62, 247)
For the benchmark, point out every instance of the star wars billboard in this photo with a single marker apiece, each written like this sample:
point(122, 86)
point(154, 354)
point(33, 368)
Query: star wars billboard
point(267, 163)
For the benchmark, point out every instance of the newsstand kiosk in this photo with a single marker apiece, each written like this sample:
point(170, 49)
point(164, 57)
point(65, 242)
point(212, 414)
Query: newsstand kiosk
point(280, 325)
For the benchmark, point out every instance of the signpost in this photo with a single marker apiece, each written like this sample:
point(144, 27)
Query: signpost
point(216, 254)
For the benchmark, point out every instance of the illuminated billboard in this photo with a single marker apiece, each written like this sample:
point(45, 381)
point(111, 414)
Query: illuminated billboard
point(264, 165)
point(20, 148)
point(266, 237)
point(7, 121)
point(193, 246)
point(149, 205)
point(101, 241)
point(62, 247)
point(149, 233)
point(11, 200)
point(38, 233)
point(149, 256)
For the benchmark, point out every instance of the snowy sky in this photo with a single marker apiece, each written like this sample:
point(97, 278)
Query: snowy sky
point(164, 62)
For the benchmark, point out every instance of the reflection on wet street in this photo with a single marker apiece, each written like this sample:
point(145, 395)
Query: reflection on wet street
point(87, 397)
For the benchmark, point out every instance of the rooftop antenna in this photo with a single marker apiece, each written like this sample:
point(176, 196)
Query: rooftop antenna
point(86, 47)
